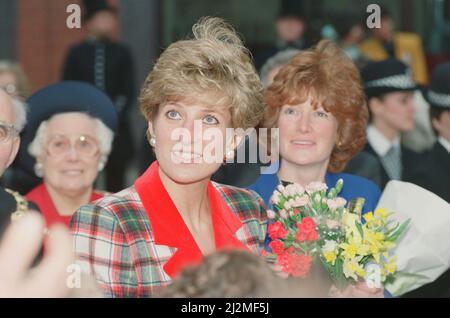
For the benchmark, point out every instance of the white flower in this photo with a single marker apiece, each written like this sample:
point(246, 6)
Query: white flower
point(271, 214)
point(333, 224)
point(292, 203)
point(330, 246)
point(275, 199)
point(283, 214)
point(316, 187)
point(299, 189)
point(336, 203)
point(301, 201)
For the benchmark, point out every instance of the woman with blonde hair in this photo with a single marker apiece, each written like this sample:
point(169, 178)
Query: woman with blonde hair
point(139, 239)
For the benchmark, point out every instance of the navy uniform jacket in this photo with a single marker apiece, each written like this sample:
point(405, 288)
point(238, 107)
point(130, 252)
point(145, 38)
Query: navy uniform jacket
point(410, 163)
point(434, 172)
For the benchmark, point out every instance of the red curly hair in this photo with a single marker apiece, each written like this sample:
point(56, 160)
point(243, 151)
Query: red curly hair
point(327, 75)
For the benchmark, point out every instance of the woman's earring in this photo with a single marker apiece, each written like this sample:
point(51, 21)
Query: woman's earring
point(229, 155)
point(38, 169)
point(152, 141)
point(101, 166)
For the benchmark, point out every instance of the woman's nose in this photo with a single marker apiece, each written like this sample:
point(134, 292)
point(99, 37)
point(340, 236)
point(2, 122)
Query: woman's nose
point(72, 153)
point(194, 127)
point(304, 123)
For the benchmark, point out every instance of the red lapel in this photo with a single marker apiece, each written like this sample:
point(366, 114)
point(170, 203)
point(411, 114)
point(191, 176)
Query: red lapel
point(168, 226)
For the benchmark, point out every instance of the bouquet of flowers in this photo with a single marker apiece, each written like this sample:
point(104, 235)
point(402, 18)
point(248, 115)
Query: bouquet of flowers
point(314, 223)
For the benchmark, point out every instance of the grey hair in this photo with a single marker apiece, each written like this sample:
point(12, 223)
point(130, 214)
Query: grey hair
point(279, 59)
point(20, 111)
point(105, 137)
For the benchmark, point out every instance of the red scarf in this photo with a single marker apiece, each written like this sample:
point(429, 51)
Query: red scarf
point(168, 226)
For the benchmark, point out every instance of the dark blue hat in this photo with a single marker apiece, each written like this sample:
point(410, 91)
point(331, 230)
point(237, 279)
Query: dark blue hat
point(70, 96)
point(387, 76)
point(64, 97)
point(438, 94)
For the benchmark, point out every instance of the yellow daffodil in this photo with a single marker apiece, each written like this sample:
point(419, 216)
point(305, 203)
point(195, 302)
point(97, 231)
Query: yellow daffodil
point(330, 257)
point(368, 217)
point(353, 269)
point(353, 247)
point(391, 267)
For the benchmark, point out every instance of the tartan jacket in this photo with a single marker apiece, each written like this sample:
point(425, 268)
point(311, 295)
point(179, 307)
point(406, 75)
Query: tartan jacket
point(135, 242)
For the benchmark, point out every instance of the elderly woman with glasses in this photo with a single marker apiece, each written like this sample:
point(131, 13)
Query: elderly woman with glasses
point(71, 127)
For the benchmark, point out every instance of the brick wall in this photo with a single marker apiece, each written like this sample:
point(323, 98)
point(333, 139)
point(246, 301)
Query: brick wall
point(43, 39)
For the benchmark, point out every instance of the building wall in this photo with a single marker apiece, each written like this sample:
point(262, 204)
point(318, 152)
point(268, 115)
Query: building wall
point(42, 38)
point(7, 29)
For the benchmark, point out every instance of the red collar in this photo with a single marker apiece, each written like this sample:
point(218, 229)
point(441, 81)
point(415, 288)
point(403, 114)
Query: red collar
point(169, 228)
point(41, 197)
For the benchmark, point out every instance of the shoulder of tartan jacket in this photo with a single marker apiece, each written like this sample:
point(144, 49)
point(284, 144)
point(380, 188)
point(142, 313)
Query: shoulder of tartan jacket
point(356, 205)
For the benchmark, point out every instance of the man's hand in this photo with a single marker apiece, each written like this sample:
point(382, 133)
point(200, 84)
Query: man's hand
point(19, 247)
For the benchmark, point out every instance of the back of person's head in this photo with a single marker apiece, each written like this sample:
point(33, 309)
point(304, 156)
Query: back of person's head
point(237, 274)
point(14, 80)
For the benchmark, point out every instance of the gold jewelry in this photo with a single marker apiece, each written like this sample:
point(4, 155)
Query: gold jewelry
point(21, 205)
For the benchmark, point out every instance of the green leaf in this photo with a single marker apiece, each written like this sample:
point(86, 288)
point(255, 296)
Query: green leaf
point(394, 236)
point(360, 229)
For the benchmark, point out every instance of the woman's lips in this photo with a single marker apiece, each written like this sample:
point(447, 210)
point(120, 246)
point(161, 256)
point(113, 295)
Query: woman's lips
point(72, 172)
point(187, 156)
point(303, 143)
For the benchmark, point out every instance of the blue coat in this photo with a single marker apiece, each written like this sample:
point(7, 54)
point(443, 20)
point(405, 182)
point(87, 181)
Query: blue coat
point(354, 187)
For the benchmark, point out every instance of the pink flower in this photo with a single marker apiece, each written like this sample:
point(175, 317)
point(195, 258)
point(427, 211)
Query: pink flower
point(301, 201)
point(283, 214)
point(275, 199)
point(294, 264)
point(277, 247)
point(271, 214)
point(276, 230)
point(333, 224)
point(316, 187)
point(307, 230)
point(336, 203)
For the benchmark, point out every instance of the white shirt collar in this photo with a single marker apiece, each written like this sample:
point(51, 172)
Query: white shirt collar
point(379, 142)
point(445, 143)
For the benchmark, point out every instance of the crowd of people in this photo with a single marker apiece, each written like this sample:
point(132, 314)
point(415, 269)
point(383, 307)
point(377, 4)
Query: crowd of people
point(189, 227)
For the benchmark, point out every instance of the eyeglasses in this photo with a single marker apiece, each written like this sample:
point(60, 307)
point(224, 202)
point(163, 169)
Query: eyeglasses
point(85, 146)
point(10, 89)
point(7, 132)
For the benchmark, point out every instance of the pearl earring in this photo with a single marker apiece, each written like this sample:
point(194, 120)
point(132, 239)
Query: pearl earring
point(152, 141)
point(229, 155)
point(38, 169)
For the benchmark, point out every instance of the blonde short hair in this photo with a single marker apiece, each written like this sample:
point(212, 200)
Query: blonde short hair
point(213, 67)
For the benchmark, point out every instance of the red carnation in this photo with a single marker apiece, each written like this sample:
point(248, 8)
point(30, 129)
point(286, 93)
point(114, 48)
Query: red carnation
point(297, 265)
point(277, 231)
point(277, 247)
point(307, 230)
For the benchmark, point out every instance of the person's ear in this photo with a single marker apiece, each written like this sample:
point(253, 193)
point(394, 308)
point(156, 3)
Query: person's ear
point(375, 106)
point(436, 125)
point(14, 151)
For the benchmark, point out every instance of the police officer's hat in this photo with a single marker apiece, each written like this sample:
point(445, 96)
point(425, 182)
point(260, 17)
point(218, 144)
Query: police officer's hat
point(387, 76)
point(438, 94)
